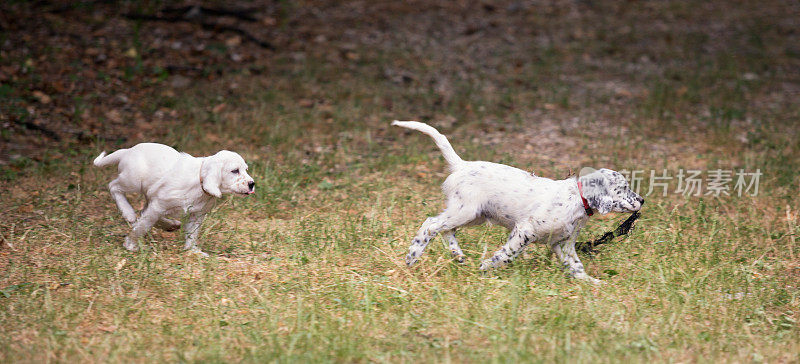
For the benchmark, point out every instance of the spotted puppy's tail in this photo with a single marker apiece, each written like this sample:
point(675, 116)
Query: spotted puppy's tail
point(103, 160)
point(441, 141)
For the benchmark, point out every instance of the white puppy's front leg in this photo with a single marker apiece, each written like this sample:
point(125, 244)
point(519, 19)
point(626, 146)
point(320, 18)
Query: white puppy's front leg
point(517, 241)
point(149, 216)
point(192, 233)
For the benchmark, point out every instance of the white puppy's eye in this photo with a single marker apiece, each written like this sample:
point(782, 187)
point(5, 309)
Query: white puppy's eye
point(235, 171)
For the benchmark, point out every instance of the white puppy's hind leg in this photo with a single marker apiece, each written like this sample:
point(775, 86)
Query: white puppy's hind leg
point(192, 233)
point(118, 193)
point(145, 222)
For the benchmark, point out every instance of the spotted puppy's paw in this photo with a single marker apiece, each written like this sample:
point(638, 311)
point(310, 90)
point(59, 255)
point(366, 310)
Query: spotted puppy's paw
point(460, 258)
point(588, 279)
point(595, 281)
point(411, 258)
point(196, 252)
point(486, 265)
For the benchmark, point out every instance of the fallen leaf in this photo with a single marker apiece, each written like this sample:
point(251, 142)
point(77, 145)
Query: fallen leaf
point(269, 21)
point(114, 115)
point(42, 97)
point(217, 109)
point(120, 264)
point(233, 41)
point(353, 56)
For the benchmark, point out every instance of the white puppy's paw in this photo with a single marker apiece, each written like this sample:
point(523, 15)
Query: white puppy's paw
point(131, 244)
point(130, 217)
point(196, 251)
point(486, 265)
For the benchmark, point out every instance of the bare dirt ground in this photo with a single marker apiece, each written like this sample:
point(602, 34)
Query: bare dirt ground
point(76, 72)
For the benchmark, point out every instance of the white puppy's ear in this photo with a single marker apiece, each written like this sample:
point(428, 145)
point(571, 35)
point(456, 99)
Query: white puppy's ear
point(211, 176)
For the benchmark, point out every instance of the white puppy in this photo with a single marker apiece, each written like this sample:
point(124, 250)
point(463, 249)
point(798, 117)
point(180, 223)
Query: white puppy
point(174, 185)
point(535, 209)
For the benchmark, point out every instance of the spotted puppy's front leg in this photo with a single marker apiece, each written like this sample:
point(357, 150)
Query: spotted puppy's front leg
point(517, 241)
point(565, 251)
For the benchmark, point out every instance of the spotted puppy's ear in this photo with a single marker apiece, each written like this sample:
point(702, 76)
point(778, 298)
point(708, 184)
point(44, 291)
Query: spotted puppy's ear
point(595, 191)
point(211, 176)
point(601, 203)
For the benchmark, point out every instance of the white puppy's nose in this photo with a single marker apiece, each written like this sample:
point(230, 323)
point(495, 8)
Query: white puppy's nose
point(251, 185)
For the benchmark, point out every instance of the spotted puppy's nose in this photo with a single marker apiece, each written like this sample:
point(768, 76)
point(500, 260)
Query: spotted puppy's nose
point(251, 184)
point(640, 199)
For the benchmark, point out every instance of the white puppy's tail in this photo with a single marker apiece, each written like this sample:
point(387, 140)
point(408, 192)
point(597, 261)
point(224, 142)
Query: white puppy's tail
point(103, 160)
point(441, 141)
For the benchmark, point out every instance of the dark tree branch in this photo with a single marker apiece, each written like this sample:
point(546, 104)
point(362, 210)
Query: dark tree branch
point(42, 129)
point(243, 14)
point(204, 24)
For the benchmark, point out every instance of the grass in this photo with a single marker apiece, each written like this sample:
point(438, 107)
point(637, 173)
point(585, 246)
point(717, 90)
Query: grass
point(311, 267)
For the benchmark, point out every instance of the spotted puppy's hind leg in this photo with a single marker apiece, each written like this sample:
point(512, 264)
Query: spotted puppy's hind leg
point(450, 240)
point(446, 221)
point(519, 238)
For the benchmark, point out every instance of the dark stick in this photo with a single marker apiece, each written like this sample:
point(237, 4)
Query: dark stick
point(624, 228)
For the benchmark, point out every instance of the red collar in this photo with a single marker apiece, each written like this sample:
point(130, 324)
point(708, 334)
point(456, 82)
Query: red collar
point(586, 207)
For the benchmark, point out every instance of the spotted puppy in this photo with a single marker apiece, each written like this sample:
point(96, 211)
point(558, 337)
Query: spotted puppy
point(174, 185)
point(534, 209)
